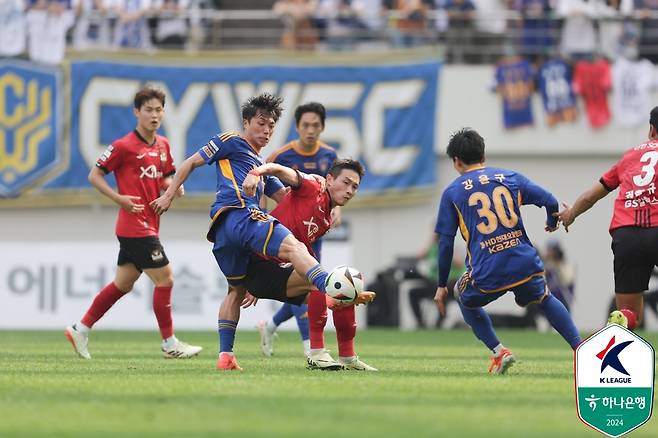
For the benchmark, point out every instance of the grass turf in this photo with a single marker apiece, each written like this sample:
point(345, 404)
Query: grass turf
point(431, 383)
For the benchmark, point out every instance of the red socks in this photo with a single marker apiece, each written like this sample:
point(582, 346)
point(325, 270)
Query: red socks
point(105, 299)
point(345, 323)
point(317, 318)
point(162, 310)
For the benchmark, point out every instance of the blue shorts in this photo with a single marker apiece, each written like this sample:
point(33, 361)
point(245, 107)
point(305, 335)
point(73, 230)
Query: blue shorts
point(532, 291)
point(317, 249)
point(240, 232)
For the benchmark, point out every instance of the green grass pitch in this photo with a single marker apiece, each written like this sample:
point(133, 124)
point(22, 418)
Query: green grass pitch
point(431, 383)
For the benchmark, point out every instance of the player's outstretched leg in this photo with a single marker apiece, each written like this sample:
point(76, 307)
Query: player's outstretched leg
point(558, 316)
point(301, 315)
point(78, 333)
point(345, 323)
point(267, 329)
point(480, 323)
point(229, 314)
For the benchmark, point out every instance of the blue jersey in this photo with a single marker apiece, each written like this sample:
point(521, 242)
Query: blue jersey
point(554, 81)
point(318, 161)
point(234, 157)
point(514, 81)
point(484, 204)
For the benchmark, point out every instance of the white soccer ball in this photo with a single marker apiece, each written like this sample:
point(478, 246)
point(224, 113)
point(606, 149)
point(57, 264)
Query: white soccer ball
point(344, 284)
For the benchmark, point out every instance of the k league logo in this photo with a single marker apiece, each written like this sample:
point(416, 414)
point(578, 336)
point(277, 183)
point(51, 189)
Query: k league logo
point(614, 380)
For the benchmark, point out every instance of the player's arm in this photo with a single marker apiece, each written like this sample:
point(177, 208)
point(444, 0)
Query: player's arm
point(446, 228)
point(285, 174)
point(584, 202)
point(534, 194)
point(128, 202)
point(166, 182)
point(163, 203)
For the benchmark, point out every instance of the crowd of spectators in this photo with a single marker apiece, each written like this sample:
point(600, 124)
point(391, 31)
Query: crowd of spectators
point(471, 31)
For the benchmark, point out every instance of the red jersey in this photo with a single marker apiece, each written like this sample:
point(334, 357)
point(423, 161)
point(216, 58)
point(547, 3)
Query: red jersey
point(139, 169)
point(593, 81)
point(635, 175)
point(305, 211)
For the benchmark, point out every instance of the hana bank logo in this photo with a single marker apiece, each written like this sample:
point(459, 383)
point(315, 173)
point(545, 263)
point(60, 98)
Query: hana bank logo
point(30, 144)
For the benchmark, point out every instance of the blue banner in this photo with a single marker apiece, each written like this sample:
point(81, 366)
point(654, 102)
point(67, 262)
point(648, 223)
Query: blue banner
point(31, 147)
point(384, 116)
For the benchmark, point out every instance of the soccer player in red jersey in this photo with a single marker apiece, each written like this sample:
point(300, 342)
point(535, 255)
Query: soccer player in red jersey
point(142, 165)
point(306, 212)
point(634, 225)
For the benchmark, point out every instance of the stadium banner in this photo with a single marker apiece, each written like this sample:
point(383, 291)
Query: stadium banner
point(382, 115)
point(31, 146)
point(51, 285)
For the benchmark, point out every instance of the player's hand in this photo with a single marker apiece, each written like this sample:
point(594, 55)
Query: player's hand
point(161, 204)
point(336, 217)
point(129, 203)
point(365, 297)
point(565, 216)
point(320, 180)
point(248, 300)
point(440, 298)
point(250, 184)
point(180, 192)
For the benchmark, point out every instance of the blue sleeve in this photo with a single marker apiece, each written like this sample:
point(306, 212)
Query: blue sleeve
point(272, 185)
point(217, 148)
point(446, 246)
point(447, 220)
point(446, 227)
point(534, 194)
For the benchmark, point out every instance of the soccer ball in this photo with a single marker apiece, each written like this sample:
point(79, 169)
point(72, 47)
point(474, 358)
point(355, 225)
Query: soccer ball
point(344, 284)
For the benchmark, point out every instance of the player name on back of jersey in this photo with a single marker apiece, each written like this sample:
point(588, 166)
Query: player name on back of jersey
point(502, 241)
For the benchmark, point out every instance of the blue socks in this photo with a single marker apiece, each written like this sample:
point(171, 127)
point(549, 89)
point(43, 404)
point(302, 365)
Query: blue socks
point(226, 329)
point(283, 314)
point(481, 325)
point(560, 319)
point(318, 276)
point(301, 314)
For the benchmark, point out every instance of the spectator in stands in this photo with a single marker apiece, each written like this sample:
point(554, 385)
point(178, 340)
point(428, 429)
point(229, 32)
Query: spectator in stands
point(92, 27)
point(648, 14)
point(344, 26)
point(407, 21)
point(297, 17)
point(459, 36)
point(612, 23)
point(12, 32)
point(535, 33)
point(131, 29)
point(578, 38)
point(171, 28)
point(560, 274)
point(47, 24)
point(490, 29)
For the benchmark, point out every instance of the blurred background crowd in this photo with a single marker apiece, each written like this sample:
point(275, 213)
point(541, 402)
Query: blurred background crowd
point(467, 31)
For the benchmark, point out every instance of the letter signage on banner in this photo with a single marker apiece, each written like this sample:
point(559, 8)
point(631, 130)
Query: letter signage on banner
point(382, 115)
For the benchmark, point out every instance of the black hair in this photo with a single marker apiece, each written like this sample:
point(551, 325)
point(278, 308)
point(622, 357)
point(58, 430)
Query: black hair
point(147, 93)
point(653, 117)
point(311, 107)
point(467, 145)
point(340, 164)
point(265, 103)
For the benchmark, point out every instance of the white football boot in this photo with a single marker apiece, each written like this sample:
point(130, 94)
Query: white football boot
point(322, 360)
point(266, 339)
point(354, 363)
point(79, 341)
point(181, 350)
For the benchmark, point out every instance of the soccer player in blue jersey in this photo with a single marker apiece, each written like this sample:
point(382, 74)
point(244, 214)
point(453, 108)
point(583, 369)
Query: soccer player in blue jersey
point(239, 226)
point(484, 204)
point(309, 155)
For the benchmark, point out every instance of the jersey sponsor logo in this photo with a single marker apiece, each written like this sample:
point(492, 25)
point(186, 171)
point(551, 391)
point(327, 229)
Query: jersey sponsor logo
point(107, 153)
point(149, 172)
point(311, 166)
point(311, 227)
point(30, 126)
point(140, 156)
